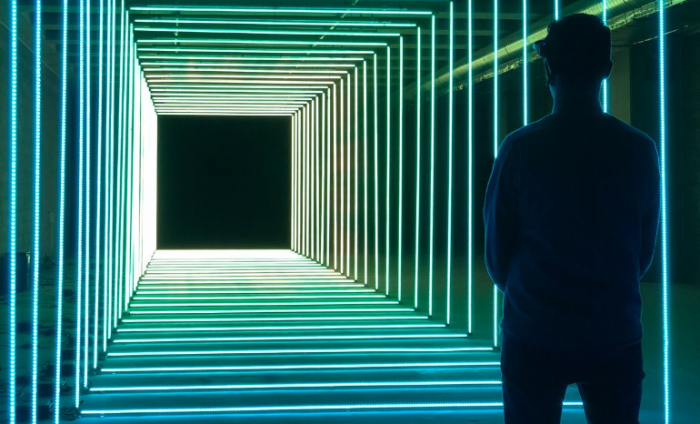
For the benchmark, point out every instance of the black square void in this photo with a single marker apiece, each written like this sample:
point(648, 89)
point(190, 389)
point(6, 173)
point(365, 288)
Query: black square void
point(223, 182)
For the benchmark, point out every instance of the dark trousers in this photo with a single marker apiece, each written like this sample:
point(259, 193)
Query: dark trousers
point(535, 381)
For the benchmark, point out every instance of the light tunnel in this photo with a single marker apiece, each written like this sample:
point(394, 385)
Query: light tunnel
point(379, 285)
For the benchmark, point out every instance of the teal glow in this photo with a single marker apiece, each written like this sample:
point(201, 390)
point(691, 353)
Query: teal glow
point(265, 42)
point(287, 338)
point(274, 319)
point(280, 328)
point(606, 89)
point(276, 10)
point(229, 51)
point(432, 166)
point(418, 150)
point(88, 167)
point(279, 23)
point(189, 68)
point(449, 171)
point(387, 283)
point(298, 386)
point(296, 351)
point(305, 367)
point(269, 311)
point(365, 169)
point(36, 228)
point(98, 201)
point(269, 32)
point(556, 9)
point(526, 98)
point(664, 215)
point(61, 231)
point(12, 230)
point(349, 177)
point(202, 64)
point(376, 177)
point(357, 171)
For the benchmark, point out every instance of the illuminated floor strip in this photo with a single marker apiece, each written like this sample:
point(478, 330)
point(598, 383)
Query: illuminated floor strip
point(271, 319)
point(292, 338)
point(269, 311)
point(334, 296)
point(301, 351)
point(207, 305)
point(299, 386)
point(283, 328)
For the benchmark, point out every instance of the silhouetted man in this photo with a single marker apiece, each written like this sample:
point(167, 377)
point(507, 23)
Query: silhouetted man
point(571, 215)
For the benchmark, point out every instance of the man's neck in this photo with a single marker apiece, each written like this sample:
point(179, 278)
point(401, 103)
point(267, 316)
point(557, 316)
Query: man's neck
point(576, 100)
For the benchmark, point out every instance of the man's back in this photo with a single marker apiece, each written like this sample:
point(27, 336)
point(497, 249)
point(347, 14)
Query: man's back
point(581, 192)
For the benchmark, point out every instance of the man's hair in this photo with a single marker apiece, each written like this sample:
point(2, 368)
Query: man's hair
point(577, 48)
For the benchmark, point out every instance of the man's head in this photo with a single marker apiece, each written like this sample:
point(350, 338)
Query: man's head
point(576, 51)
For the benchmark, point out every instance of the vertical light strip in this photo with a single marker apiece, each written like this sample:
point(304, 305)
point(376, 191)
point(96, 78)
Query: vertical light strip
point(606, 92)
point(322, 195)
point(328, 177)
point(341, 122)
point(364, 171)
point(88, 142)
point(470, 146)
point(81, 154)
point(109, 162)
point(98, 223)
point(314, 177)
point(557, 6)
point(335, 177)
point(61, 224)
point(449, 167)
point(471, 177)
point(376, 178)
point(399, 254)
point(664, 213)
point(307, 166)
point(36, 252)
point(432, 166)
point(12, 384)
point(349, 177)
point(293, 178)
point(418, 148)
point(526, 102)
point(388, 171)
point(357, 171)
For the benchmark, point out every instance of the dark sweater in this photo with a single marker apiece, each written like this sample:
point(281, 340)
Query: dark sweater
point(571, 217)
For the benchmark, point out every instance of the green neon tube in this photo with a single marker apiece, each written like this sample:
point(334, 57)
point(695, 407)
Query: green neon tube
point(275, 10)
point(293, 179)
point(526, 99)
point(269, 32)
point(341, 122)
point(418, 149)
point(322, 191)
point(432, 165)
point(335, 181)
point(98, 200)
point(399, 275)
point(278, 23)
point(450, 166)
point(376, 178)
point(388, 170)
point(606, 88)
point(470, 143)
point(229, 51)
point(365, 174)
point(202, 63)
point(357, 172)
point(349, 176)
point(329, 127)
point(88, 167)
point(171, 69)
point(263, 42)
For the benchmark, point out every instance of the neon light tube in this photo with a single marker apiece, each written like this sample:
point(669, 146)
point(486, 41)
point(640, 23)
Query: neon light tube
point(418, 148)
point(297, 386)
point(357, 170)
point(98, 223)
point(171, 70)
point(282, 328)
point(365, 169)
point(202, 61)
point(275, 10)
point(306, 367)
point(88, 167)
point(208, 339)
point(606, 92)
point(470, 142)
point(297, 351)
point(388, 171)
point(376, 176)
point(349, 176)
point(342, 177)
point(268, 32)
point(34, 379)
point(268, 311)
point(264, 42)
point(256, 51)
point(432, 165)
point(234, 304)
point(449, 171)
point(525, 76)
point(664, 214)
point(271, 319)
point(278, 23)
point(61, 221)
point(12, 230)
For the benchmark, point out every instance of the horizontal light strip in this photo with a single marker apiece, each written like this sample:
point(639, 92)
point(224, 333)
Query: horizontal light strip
point(343, 296)
point(290, 338)
point(238, 79)
point(199, 101)
point(164, 285)
point(248, 271)
point(207, 67)
point(268, 32)
point(263, 42)
point(224, 87)
point(300, 351)
point(190, 68)
point(194, 108)
point(282, 328)
point(149, 292)
point(290, 408)
point(299, 386)
point(257, 51)
point(212, 113)
point(233, 304)
point(397, 12)
point(270, 311)
point(190, 91)
point(243, 78)
point(279, 23)
point(273, 319)
point(306, 367)
point(180, 60)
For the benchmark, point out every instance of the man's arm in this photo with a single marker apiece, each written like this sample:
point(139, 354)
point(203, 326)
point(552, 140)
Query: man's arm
point(650, 219)
point(500, 214)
